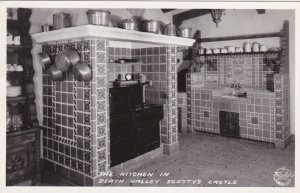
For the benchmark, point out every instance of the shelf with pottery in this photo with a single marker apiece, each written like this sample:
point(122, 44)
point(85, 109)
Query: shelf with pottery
point(243, 53)
point(22, 127)
point(110, 33)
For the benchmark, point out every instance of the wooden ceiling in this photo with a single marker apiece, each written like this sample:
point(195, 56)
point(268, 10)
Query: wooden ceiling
point(192, 13)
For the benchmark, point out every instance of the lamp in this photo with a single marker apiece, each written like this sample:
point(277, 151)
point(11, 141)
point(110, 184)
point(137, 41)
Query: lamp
point(216, 15)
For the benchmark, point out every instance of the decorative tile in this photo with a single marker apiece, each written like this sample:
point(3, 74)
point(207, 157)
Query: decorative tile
point(101, 143)
point(100, 46)
point(101, 155)
point(101, 167)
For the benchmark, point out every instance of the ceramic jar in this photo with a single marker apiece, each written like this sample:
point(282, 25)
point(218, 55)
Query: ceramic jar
point(255, 47)
point(247, 47)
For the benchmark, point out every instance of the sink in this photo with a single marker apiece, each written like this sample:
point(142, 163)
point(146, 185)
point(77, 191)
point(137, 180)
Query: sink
point(229, 96)
point(218, 92)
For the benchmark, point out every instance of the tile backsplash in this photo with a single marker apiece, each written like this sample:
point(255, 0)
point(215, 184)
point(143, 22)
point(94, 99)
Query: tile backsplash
point(251, 70)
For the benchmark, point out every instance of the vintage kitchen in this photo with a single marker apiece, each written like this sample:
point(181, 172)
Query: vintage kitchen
point(109, 90)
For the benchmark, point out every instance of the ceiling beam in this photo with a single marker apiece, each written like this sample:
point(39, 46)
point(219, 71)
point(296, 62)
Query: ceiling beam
point(167, 10)
point(261, 11)
point(190, 14)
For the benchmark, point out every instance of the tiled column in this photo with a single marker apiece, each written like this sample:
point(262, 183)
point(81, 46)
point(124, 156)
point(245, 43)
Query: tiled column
point(189, 102)
point(281, 119)
point(100, 108)
point(76, 119)
point(171, 144)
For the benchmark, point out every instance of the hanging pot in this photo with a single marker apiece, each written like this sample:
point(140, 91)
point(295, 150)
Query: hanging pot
point(55, 73)
point(45, 60)
point(82, 72)
point(65, 59)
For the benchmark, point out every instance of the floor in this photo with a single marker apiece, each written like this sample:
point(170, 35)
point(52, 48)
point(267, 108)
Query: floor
point(210, 160)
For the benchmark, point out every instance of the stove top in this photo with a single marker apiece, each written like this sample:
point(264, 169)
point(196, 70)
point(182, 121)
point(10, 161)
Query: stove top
point(145, 106)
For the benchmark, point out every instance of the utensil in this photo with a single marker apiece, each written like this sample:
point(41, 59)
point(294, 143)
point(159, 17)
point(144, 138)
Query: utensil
point(152, 26)
point(61, 20)
point(98, 17)
point(82, 72)
point(170, 29)
point(45, 60)
point(129, 24)
point(65, 59)
point(185, 32)
point(55, 73)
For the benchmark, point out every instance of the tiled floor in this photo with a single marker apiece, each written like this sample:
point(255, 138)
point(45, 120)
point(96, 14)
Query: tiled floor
point(211, 157)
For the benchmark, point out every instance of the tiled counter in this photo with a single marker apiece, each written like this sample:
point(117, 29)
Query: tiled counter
point(254, 111)
point(263, 115)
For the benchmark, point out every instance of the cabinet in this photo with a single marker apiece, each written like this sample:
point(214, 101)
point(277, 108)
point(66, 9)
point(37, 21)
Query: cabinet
point(22, 129)
point(22, 156)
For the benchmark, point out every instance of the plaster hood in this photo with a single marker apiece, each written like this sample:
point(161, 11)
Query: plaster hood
point(110, 33)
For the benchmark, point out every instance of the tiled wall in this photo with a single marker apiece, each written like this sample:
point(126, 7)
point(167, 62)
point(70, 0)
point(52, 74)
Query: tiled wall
point(249, 69)
point(75, 119)
point(263, 115)
point(76, 137)
point(154, 66)
point(114, 69)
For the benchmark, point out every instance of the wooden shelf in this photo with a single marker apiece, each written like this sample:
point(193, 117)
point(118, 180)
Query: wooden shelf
point(243, 53)
point(241, 37)
point(25, 129)
point(14, 100)
point(13, 48)
point(109, 33)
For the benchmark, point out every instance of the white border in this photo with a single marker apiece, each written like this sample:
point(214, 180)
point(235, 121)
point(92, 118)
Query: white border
point(134, 4)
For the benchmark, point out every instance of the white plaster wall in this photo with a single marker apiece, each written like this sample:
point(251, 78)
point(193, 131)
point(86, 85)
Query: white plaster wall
point(41, 16)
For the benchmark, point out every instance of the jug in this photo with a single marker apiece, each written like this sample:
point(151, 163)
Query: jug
point(255, 47)
point(247, 47)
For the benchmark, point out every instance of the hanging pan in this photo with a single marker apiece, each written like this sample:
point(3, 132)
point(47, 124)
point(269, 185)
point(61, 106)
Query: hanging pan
point(45, 60)
point(65, 59)
point(82, 72)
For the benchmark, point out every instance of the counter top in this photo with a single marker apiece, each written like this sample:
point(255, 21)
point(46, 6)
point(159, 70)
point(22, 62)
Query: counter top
point(220, 92)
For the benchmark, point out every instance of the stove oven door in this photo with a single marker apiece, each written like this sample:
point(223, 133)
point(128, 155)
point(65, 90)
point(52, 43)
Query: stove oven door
point(122, 139)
